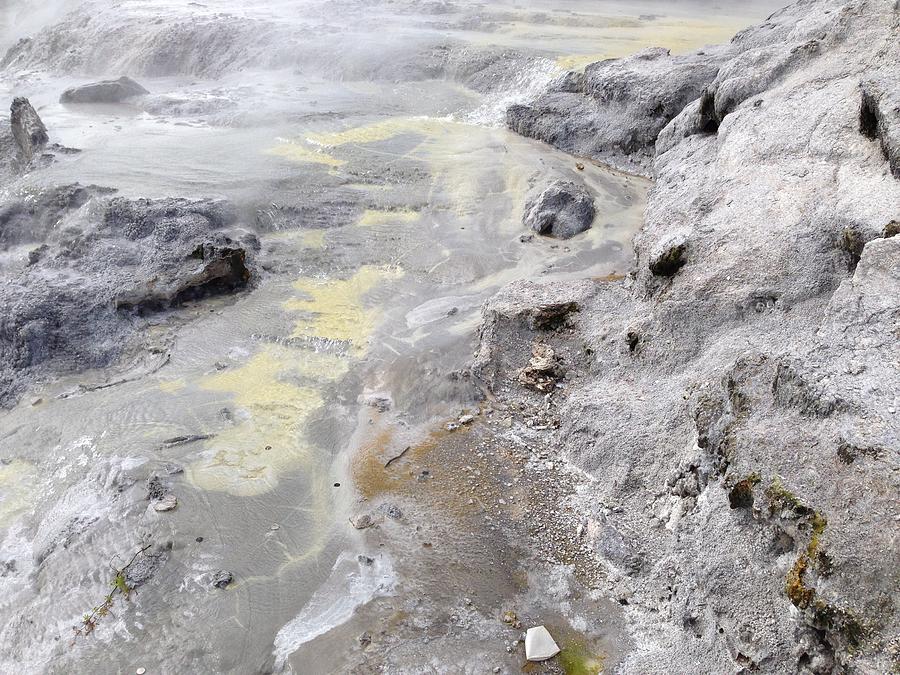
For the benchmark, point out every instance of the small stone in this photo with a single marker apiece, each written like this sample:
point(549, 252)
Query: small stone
point(467, 419)
point(539, 644)
point(365, 560)
point(221, 579)
point(365, 639)
point(452, 426)
point(140, 671)
point(362, 521)
point(165, 503)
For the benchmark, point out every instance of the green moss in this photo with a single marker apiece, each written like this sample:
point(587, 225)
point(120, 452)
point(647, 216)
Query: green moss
point(839, 621)
point(796, 589)
point(576, 658)
point(782, 499)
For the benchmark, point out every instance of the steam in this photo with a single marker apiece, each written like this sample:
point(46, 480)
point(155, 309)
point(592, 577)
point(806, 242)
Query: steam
point(23, 18)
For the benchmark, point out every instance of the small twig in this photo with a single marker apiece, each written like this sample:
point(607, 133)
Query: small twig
point(394, 459)
point(120, 585)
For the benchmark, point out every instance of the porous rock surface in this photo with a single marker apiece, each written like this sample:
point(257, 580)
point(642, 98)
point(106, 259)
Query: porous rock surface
point(735, 398)
point(82, 269)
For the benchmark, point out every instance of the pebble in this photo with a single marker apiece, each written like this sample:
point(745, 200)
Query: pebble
point(467, 419)
point(221, 579)
point(165, 503)
point(140, 671)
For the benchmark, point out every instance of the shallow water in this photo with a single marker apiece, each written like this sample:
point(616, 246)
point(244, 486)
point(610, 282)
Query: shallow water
point(389, 206)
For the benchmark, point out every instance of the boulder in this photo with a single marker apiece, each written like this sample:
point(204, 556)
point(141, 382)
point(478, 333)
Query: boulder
point(106, 91)
point(28, 131)
point(562, 210)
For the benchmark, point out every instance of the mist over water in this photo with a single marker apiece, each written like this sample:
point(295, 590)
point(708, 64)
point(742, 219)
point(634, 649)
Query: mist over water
point(364, 143)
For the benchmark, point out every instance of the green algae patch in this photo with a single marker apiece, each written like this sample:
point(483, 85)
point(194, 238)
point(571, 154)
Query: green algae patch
point(577, 658)
point(822, 615)
point(797, 591)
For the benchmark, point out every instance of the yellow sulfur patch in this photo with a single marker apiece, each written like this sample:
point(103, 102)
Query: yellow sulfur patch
point(372, 217)
point(271, 391)
point(383, 130)
point(335, 307)
point(678, 35)
point(302, 152)
point(172, 386)
point(314, 239)
point(16, 479)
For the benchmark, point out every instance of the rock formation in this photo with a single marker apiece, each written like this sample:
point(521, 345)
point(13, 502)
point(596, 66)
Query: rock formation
point(106, 91)
point(78, 299)
point(28, 131)
point(562, 210)
point(735, 397)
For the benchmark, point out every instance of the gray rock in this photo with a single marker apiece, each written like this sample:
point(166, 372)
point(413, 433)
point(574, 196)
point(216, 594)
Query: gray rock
point(145, 566)
point(109, 262)
point(28, 131)
point(166, 502)
point(562, 210)
point(615, 111)
point(106, 91)
point(222, 579)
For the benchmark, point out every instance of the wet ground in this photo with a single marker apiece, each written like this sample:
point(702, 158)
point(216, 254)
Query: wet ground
point(388, 211)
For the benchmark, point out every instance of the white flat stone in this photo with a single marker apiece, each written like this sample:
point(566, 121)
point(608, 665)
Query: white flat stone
point(539, 645)
point(165, 503)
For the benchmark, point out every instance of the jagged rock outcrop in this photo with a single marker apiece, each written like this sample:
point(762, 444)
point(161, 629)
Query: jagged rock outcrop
point(735, 397)
point(28, 131)
point(615, 109)
point(77, 299)
point(106, 91)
